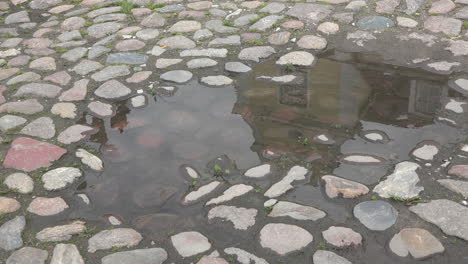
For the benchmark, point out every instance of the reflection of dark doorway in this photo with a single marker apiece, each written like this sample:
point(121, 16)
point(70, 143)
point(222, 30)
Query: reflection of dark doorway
point(425, 97)
point(296, 93)
point(293, 95)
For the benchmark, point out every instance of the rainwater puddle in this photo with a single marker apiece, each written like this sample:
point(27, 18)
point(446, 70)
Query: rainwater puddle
point(317, 119)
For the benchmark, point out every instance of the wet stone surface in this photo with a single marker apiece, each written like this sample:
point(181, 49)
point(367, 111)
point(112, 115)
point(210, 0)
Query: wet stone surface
point(233, 131)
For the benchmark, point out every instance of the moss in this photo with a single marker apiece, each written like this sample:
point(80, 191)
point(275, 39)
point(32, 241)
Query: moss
point(154, 6)
point(126, 7)
point(228, 23)
point(256, 42)
point(61, 50)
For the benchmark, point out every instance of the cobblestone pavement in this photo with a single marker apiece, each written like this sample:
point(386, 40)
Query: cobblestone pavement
point(114, 117)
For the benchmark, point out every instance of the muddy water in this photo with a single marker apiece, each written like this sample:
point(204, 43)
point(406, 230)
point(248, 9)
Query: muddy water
point(343, 96)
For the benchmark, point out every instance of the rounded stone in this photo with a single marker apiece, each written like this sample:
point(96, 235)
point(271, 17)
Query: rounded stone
point(425, 151)
point(129, 45)
point(190, 243)
point(376, 215)
point(407, 22)
point(299, 58)
point(64, 110)
point(459, 170)
point(312, 42)
point(43, 127)
point(415, 241)
point(177, 42)
point(284, 238)
point(147, 34)
point(66, 254)
point(241, 218)
point(237, 67)
point(28, 255)
point(112, 90)
point(8, 205)
point(61, 232)
point(27, 154)
point(10, 233)
point(201, 63)
point(177, 76)
point(342, 237)
point(328, 28)
point(217, 80)
point(73, 23)
point(44, 206)
point(60, 178)
point(293, 24)
point(119, 237)
point(138, 256)
point(185, 26)
point(43, 64)
point(280, 38)
point(101, 109)
point(374, 22)
point(8, 122)
point(328, 257)
point(19, 182)
point(349, 189)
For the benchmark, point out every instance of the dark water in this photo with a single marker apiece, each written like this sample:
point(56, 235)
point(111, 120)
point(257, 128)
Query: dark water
point(145, 150)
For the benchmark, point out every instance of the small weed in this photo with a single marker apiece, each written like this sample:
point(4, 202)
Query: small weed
point(228, 23)
point(37, 176)
point(303, 141)
point(74, 2)
point(465, 24)
point(374, 197)
point(83, 32)
point(6, 192)
point(88, 23)
point(268, 209)
point(260, 16)
point(116, 249)
point(7, 141)
point(217, 171)
point(91, 150)
point(255, 42)
point(408, 201)
point(192, 184)
point(322, 245)
point(89, 232)
point(154, 6)
point(153, 91)
point(323, 3)
point(2, 20)
point(61, 50)
point(94, 7)
point(171, 234)
point(126, 7)
point(289, 68)
point(258, 189)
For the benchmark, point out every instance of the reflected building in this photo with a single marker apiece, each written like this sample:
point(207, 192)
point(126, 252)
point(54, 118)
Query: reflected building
point(337, 92)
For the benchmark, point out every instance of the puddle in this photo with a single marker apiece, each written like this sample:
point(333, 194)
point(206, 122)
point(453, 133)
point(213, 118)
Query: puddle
point(343, 97)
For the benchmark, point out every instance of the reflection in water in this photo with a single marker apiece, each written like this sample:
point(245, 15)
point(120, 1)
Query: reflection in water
point(144, 149)
point(342, 93)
